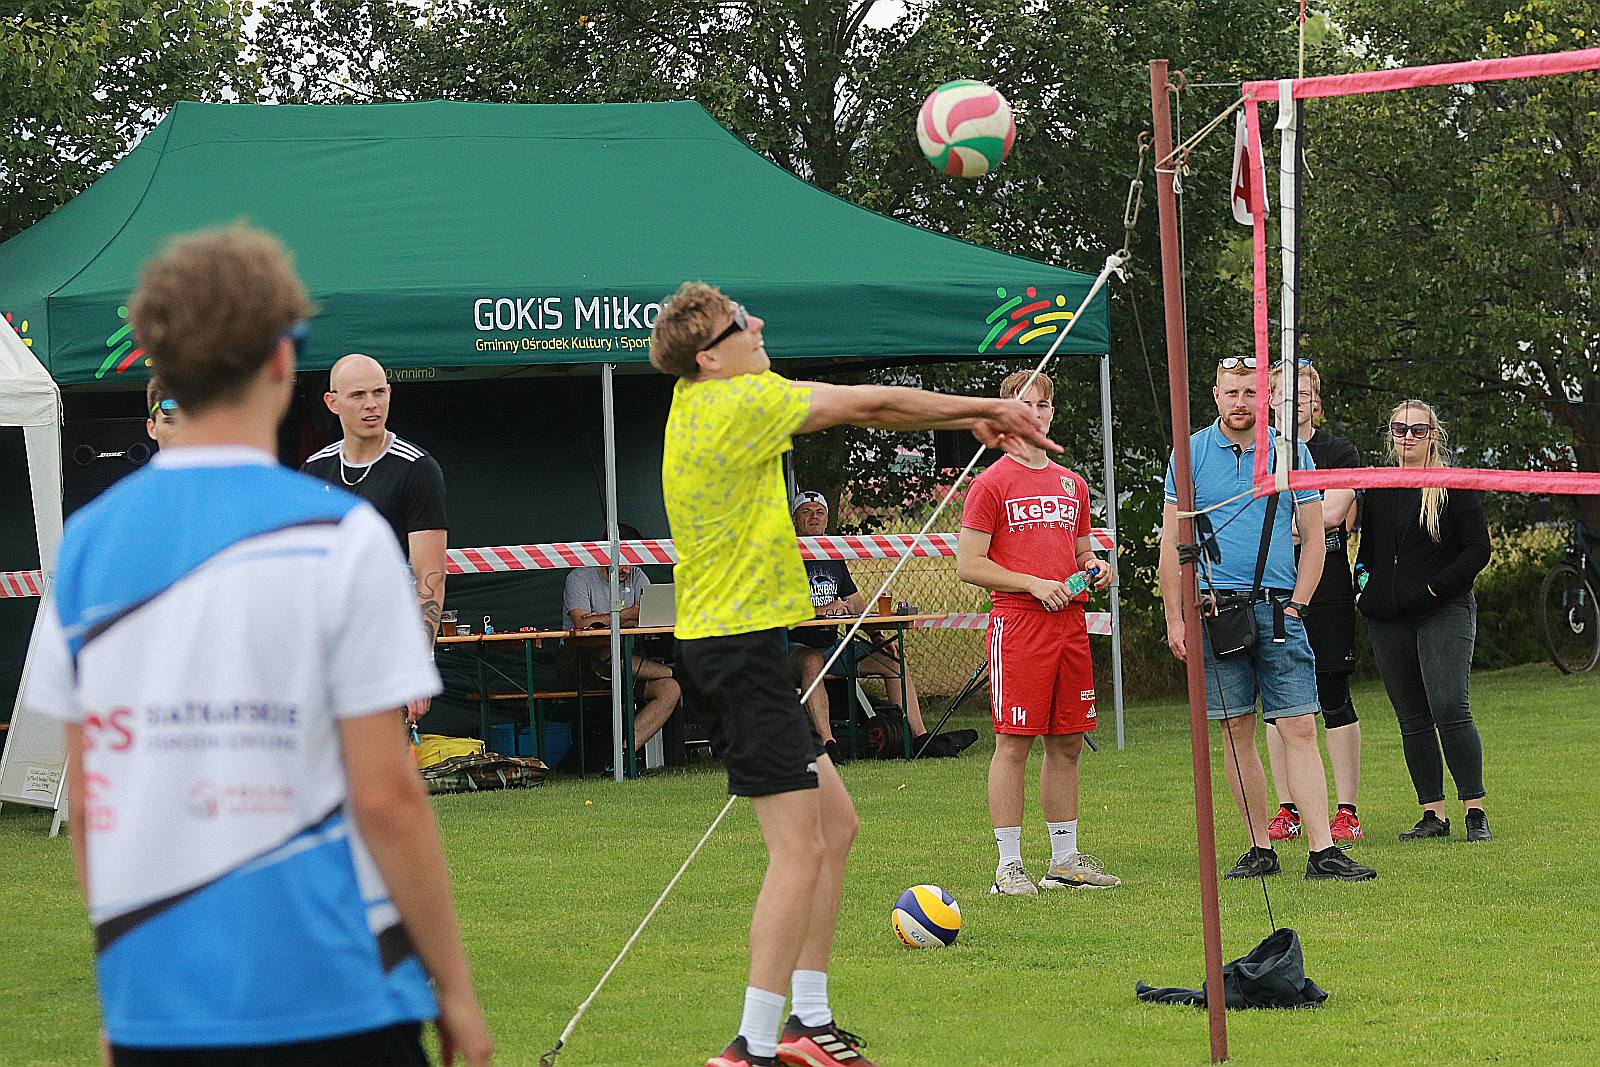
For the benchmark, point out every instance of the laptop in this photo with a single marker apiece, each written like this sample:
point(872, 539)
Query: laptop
point(658, 605)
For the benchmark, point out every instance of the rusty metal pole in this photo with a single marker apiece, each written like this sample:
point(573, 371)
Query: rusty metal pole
point(1199, 738)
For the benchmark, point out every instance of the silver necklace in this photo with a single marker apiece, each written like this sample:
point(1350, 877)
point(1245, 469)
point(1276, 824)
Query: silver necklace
point(365, 472)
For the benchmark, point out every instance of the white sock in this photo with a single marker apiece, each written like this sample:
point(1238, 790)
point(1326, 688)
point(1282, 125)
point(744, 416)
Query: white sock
point(763, 1013)
point(811, 998)
point(1009, 838)
point(1063, 840)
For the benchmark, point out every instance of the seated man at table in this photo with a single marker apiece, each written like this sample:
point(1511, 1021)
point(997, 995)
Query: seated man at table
point(587, 605)
point(834, 594)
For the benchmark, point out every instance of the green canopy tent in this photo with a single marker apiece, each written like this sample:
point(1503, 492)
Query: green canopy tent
point(465, 239)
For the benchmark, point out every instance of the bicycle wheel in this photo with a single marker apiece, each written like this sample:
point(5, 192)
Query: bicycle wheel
point(1570, 612)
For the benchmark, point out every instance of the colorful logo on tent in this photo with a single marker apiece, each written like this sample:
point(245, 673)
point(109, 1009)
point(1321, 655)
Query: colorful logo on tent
point(125, 349)
point(22, 330)
point(1025, 318)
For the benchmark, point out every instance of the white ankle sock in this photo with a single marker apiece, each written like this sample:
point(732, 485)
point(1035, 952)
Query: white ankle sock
point(1063, 840)
point(763, 1013)
point(811, 998)
point(1009, 838)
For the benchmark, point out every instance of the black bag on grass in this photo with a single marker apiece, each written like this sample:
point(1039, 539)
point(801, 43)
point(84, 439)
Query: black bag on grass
point(1271, 975)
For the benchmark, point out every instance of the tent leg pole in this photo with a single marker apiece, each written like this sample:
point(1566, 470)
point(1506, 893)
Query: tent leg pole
point(1178, 383)
point(609, 411)
point(1111, 527)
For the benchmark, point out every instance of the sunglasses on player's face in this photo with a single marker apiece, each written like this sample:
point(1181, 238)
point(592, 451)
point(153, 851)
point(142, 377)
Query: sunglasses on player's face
point(740, 323)
point(1416, 429)
point(168, 407)
point(1235, 362)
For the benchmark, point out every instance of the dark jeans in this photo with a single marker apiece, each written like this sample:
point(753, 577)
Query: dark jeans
point(1426, 664)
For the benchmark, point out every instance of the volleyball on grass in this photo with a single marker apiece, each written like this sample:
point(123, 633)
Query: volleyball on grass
point(965, 128)
point(926, 916)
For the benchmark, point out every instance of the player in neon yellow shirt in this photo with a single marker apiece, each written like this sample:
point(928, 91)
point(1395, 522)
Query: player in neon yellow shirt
point(740, 584)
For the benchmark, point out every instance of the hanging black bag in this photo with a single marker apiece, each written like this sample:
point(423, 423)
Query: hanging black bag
point(1231, 625)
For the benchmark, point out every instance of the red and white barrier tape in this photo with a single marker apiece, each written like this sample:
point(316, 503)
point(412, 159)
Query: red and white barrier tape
point(21, 583)
point(598, 553)
point(570, 554)
point(1099, 622)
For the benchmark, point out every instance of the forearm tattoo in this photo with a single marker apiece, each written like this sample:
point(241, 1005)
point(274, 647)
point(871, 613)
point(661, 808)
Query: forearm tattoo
point(430, 598)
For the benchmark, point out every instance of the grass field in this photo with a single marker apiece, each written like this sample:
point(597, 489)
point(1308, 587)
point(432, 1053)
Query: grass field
point(1456, 954)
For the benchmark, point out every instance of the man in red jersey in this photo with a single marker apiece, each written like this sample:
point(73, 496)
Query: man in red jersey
point(1024, 536)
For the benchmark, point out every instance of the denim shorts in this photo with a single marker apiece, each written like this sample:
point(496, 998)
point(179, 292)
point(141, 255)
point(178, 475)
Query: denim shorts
point(1283, 674)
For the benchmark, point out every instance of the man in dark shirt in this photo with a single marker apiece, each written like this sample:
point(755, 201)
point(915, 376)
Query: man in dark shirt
point(395, 476)
point(1330, 626)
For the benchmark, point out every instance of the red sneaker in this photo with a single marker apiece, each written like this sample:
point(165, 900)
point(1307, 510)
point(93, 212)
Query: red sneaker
point(1345, 828)
point(819, 1046)
point(738, 1055)
point(1284, 825)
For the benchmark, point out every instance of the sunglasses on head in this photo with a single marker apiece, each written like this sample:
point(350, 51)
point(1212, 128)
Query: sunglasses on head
point(740, 322)
point(298, 334)
point(1415, 429)
point(1235, 362)
point(168, 406)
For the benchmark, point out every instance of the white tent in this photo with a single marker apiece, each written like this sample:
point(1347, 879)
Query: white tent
point(31, 770)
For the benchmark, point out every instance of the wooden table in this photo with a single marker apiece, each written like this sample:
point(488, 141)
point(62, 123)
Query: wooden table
point(531, 639)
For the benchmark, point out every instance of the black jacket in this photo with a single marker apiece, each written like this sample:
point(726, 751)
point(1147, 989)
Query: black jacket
point(1403, 562)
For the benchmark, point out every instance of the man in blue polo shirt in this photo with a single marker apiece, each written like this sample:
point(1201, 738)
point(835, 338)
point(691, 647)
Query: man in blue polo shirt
point(1280, 668)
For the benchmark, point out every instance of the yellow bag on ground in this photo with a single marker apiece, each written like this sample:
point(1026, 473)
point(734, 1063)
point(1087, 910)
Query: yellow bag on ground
point(436, 748)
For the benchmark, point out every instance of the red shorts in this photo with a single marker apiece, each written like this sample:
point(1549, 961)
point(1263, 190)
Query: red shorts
point(1041, 680)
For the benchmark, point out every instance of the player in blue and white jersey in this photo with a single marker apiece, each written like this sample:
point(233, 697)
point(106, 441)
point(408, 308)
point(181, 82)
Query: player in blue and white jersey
point(226, 642)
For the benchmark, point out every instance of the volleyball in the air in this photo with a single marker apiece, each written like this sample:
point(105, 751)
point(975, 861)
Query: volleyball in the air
point(965, 128)
point(926, 916)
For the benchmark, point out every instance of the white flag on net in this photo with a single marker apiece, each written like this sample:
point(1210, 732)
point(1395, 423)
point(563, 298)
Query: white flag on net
point(1240, 186)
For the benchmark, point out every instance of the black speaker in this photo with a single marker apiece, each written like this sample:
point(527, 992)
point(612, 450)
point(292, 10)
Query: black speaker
point(96, 452)
point(953, 448)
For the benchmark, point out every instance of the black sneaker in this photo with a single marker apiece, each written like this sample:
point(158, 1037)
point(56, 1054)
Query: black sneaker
point(1430, 825)
point(737, 1054)
point(1257, 863)
point(1477, 825)
point(1333, 863)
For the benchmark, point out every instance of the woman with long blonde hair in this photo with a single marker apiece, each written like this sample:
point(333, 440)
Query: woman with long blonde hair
point(1421, 549)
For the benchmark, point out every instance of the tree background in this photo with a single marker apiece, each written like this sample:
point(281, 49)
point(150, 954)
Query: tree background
point(1449, 234)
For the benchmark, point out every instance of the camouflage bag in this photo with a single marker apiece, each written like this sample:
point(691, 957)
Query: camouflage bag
point(479, 773)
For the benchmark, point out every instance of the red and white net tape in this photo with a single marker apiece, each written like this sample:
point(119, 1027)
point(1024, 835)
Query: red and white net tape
point(1099, 622)
point(598, 553)
point(571, 554)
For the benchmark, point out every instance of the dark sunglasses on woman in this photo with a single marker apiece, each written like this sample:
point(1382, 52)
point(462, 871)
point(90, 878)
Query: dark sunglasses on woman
point(1416, 429)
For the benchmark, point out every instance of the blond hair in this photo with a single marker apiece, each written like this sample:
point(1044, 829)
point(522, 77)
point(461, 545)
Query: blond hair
point(1275, 378)
point(211, 308)
point(1012, 385)
point(1433, 496)
point(688, 319)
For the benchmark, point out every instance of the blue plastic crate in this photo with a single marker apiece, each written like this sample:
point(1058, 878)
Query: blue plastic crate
point(514, 739)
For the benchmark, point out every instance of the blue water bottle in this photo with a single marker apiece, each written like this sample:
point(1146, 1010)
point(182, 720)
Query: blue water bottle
point(1361, 577)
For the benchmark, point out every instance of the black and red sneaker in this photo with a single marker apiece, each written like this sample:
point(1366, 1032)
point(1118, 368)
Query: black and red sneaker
point(738, 1054)
point(819, 1046)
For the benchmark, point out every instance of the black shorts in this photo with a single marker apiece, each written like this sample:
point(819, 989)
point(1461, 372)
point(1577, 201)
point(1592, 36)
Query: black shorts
point(399, 1045)
point(1331, 629)
point(742, 685)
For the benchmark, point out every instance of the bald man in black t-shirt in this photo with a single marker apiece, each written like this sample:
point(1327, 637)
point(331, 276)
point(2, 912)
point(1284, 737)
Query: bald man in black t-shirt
point(395, 476)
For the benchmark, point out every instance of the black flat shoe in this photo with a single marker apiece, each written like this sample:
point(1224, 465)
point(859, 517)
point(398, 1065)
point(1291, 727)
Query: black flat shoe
point(1257, 863)
point(1430, 825)
point(1478, 825)
point(1334, 864)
